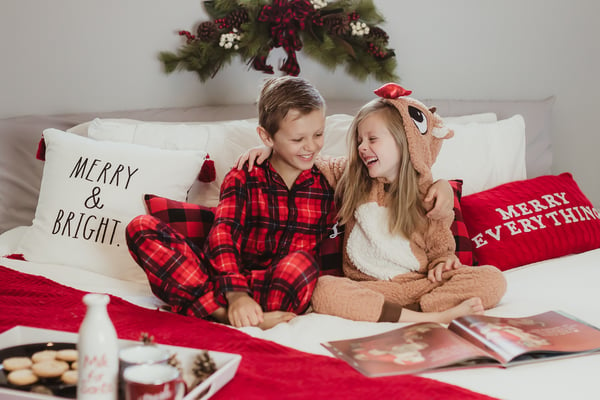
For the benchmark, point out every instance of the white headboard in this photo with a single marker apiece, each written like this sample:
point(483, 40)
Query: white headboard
point(21, 172)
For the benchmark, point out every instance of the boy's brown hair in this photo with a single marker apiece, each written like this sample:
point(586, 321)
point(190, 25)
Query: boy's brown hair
point(282, 94)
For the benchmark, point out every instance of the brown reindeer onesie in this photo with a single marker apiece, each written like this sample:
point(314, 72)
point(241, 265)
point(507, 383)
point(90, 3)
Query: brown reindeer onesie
point(384, 269)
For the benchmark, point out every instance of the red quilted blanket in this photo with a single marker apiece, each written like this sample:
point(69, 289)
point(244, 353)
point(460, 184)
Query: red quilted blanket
point(267, 370)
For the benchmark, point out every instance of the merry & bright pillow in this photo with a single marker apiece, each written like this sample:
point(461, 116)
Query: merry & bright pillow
point(90, 191)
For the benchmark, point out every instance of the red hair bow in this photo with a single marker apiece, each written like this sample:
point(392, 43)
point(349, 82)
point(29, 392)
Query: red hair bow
point(392, 91)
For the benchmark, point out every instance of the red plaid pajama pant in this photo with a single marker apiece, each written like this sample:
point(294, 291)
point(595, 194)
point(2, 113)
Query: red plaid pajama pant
point(180, 276)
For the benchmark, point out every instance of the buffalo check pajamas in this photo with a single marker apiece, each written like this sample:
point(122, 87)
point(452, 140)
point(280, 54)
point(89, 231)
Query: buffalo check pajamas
point(265, 241)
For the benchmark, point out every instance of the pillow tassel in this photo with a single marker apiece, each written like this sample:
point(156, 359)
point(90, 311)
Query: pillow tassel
point(41, 150)
point(207, 173)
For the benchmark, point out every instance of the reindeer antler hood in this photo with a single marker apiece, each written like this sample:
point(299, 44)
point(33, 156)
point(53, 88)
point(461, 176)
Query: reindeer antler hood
point(424, 129)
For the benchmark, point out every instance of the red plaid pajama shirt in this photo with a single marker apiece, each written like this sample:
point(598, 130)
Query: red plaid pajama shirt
point(264, 241)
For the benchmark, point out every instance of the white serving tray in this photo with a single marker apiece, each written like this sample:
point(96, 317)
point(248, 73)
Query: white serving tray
point(227, 363)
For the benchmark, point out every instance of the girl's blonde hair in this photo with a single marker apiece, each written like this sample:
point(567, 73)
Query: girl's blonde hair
point(407, 213)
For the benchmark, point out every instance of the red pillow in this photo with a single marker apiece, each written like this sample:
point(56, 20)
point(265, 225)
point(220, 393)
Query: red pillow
point(464, 249)
point(531, 220)
point(191, 220)
point(329, 254)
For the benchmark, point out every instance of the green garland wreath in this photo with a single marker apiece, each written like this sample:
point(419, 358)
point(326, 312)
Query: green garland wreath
point(332, 33)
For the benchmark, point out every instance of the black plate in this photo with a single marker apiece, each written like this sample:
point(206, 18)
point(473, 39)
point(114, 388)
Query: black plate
point(57, 387)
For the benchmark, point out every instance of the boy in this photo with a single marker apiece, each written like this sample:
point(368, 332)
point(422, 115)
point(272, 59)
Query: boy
point(258, 265)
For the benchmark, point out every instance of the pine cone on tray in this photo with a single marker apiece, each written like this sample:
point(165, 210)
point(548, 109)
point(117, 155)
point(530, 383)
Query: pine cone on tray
point(204, 366)
point(174, 361)
point(146, 338)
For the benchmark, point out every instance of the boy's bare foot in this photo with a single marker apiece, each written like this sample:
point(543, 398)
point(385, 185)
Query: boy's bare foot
point(468, 307)
point(272, 318)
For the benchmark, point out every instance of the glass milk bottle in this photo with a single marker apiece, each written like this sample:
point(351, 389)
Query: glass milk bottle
point(98, 362)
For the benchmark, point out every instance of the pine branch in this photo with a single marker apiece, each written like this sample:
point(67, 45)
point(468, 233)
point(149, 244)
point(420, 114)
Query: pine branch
point(368, 13)
point(326, 38)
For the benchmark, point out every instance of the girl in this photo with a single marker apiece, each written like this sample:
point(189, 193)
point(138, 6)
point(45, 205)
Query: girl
point(398, 254)
point(399, 265)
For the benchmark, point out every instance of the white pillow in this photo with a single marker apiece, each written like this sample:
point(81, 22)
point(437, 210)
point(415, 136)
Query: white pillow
point(466, 119)
point(224, 141)
point(90, 191)
point(336, 134)
point(483, 155)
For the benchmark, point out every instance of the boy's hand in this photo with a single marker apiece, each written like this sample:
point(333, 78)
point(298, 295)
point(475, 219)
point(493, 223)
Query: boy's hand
point(243, 310)
point(435, 273)
point(255, 155)
point(441, 196)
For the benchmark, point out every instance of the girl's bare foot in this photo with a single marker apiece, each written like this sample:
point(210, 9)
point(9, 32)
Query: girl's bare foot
point(272, 318)
point(468, 307)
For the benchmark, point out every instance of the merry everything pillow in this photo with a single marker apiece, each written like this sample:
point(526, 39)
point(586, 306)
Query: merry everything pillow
point(530, 220)
point(90, 191)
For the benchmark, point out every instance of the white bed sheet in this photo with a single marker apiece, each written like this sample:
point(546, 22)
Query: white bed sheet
point(568, 283)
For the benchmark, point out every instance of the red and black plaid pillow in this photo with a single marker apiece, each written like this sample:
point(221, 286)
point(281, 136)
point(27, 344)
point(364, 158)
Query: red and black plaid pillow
point(330, 251)
point(194, 222)
point(330, 254)
point(191, 220)
point(464, 248)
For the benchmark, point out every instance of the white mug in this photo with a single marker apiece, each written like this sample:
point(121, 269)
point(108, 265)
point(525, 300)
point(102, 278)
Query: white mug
point(143, 354)
point(153, 382)
point(140, 354)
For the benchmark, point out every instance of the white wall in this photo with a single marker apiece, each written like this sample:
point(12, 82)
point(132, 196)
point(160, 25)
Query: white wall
point(100, 55)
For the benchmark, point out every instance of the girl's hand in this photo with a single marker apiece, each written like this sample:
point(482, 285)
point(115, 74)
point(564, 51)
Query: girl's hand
point(435, 273)
point(243, 310)
point(255, 155)
point(440, 196)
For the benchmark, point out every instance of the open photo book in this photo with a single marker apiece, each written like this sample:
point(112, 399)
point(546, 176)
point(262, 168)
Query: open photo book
point(470, 341)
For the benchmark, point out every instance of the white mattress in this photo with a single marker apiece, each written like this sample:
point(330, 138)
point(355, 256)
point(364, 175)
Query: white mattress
point(569, 284)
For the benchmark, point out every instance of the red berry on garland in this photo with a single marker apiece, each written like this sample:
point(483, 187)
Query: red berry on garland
point(353, 16)
point(188, 35)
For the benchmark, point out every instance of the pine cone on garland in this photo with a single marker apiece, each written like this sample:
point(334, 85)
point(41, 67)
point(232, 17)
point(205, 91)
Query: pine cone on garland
point(378, 33)
point(237, 17)
point(204, 366)
point(336, 24)
point(207, 31)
